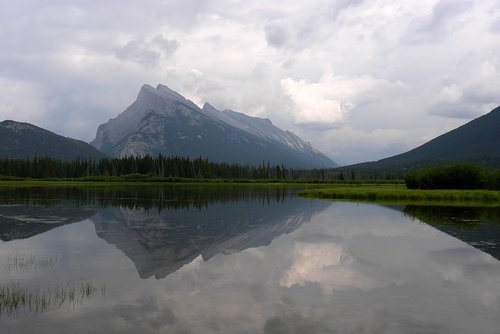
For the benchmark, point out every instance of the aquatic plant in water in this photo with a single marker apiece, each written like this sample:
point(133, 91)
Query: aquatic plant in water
point(15, 298)
point(32, 262)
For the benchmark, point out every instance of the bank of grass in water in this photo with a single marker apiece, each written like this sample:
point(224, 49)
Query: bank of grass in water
point(401, 195)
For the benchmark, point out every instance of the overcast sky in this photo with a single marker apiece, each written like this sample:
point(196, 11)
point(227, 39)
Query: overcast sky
point(361, 80)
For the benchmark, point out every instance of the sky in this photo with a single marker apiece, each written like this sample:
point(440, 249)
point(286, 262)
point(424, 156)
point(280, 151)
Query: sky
point(361, 80)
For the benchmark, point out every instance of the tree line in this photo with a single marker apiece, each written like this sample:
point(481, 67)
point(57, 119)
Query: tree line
point(134, 167)
point(456, 176)
point(160, 168)
point(149, 168)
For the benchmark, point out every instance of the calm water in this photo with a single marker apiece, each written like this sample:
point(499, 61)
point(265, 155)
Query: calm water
point(241, 260)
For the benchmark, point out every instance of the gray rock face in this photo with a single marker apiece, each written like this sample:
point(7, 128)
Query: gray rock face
point(162, 121)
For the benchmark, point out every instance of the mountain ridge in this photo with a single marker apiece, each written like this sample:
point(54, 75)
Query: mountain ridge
point(162, 121)
point(20, 140)
point(477, 141)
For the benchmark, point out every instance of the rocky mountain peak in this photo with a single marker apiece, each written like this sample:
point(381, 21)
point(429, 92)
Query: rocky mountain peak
point(163, 121)
point(17, 126)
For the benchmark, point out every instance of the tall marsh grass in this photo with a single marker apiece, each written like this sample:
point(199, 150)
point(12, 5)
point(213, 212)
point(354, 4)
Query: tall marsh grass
point(401, 195)
point(15, 298)
point(16, 263)
point(33, 262)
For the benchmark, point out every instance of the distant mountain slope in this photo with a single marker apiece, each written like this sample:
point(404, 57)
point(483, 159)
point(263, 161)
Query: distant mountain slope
point(162, 121)
point(24, 140)
point(476, 142)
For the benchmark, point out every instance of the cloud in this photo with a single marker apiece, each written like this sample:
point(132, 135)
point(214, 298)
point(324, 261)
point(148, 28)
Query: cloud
point(294, 323)
point(337, 6)
point(276, 36)
point(325, 264)
point(495, 27)
point(356, 145)
point(148, 52)
point(145, 314)
point(22, 100)
point(472, 89)
point(322, 69)
point(327, 101)
point(444, 20)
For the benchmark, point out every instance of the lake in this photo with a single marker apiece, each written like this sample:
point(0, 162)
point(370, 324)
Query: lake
point(214, 259)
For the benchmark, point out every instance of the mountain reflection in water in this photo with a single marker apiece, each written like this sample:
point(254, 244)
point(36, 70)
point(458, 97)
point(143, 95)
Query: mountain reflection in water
point(229, 263)
point(477, 226)
point(161, 241)
point(26, 212)
point(163, 228)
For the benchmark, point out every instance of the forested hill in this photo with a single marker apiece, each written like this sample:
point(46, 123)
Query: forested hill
point(475, 142)
point(24, 140)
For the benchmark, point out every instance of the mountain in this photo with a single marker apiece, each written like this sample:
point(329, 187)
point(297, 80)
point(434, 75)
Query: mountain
point(22, 221)
point(478, 142)
point(477, 226)
point(24, 140)
point(161, 242)
point(162, 121)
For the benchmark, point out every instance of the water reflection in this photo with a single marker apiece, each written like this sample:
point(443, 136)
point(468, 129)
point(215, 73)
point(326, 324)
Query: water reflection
point(160, 228)
point(29, 211)
point(16, 299)
point(252, 261)
point(20, 221)
point(26, 212)
point(161, 241)
point(477, 226)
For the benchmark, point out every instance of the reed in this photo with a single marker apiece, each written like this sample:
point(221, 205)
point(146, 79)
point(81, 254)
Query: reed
point(404, 196)
point(15, 298)
point(31, 262)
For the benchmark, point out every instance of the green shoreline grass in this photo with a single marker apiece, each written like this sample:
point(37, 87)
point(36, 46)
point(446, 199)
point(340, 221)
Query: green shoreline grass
point(119, 181)
point(384, 193)
point(401, 195)
point(45, 183)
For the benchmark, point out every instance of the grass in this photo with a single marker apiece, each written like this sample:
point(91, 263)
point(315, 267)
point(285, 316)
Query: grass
point(15, 298)
point(32, 262)
point(27, 263)
point(106, 183)
point(141, 181)
point(392, 192)
point(401, 195)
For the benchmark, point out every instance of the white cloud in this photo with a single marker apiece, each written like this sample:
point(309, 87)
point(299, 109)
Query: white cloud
point(357, 145)
point(22, 101)
point(445, 18)
point(374, 70)
point(327, 101)
point(148, 52)
point(325, 264)
point(473, 88)
point(450, 94)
